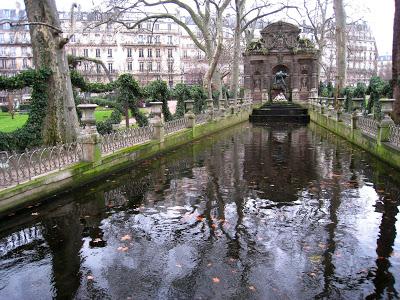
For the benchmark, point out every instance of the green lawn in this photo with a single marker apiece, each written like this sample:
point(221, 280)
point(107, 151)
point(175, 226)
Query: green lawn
point(7, 124)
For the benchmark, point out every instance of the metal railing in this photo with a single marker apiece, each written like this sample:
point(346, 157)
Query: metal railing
point(125, 138)
point(368, 126)
point(394, 135)
point(18, 168)
point(202, 118)
point(175, 125)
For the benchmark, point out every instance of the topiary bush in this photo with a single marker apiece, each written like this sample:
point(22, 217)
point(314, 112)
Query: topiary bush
point(181, 93)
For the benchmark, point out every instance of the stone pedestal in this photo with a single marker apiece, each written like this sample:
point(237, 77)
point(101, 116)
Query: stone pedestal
point(295, 95)
point(383, 129)
point(89, 138)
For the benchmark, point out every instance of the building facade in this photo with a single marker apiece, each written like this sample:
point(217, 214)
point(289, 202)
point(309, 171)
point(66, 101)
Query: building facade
point(362, 53)
point(385, 66)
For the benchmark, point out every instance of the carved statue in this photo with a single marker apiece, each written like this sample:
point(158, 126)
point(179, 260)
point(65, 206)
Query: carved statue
point(280, 77)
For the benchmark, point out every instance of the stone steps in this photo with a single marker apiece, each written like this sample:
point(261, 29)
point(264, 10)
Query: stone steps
point(276, 112)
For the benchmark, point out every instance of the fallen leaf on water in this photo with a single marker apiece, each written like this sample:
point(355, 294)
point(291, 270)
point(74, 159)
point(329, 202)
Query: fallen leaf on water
point(209, 264)
point(123, 249)
point(315, 258)
point(200, 218)
point(126, 238)
point(35, 214)
point(216, 280)
point(214, 225)
point(252, 288)
point(179, 265)
point(312, 274)
point(90, 277)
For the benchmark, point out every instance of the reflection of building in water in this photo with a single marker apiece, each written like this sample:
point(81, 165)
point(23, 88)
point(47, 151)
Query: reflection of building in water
point(280, 162)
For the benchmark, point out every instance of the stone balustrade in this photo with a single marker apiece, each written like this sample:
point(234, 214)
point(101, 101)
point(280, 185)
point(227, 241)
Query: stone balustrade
point(382, 130)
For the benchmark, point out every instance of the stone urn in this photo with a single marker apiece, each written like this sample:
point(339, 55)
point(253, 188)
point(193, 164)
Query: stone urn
point(189, 105)
point(88, 118)
point(156, 109)
point(340, 103)
point(386, 106)
point(357, 104)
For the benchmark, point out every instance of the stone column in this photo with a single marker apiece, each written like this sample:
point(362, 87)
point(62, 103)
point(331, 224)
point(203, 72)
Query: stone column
point(157, 121)
point(89, 138)
point(210, 108)
point(314, 75)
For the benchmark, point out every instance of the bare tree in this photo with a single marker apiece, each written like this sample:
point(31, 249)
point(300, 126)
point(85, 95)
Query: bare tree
point(319, 23)
point(396, 62)
point(341, 45)
point(207, 15)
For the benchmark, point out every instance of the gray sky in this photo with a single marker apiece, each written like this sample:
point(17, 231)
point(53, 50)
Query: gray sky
point(378, 13)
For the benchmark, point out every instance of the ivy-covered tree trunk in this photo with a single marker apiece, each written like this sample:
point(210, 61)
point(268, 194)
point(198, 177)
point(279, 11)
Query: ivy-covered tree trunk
point(61, 121)
point(396, 62)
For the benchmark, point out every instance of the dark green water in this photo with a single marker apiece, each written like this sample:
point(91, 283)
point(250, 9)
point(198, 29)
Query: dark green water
point(253, 213)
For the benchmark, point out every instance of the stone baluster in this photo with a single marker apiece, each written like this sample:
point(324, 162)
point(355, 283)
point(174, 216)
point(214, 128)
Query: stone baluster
point(89, 138)
point(157, 121)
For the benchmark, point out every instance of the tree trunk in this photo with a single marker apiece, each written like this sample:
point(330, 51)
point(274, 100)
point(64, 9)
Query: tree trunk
point(341, 51)
point(126, 115)
point(61, 122)
point(236, 49)
point(396, 62)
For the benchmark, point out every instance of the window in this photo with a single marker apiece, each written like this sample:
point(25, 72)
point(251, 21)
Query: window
point(149, 66)
point(139, 26)
point(73, 39)
point(170, 40)
point(73, 52)
point(129, 53)
point(24, 51)
point(169, 27)
point(109, 52)
point(185, 54)
point(157, 39)
point(149, 39)
point(141, 66)
point(129, 66)
point(110, 67)
point(171, 80)
point(141, 39)
point(13, 63)
point(169, 53)
point(98, 70)
point(157, 26)
point(149, 26)
point(3, 63)
point(12, 38)
point(85, 52)
point(149, 53)
point(85, 66)
point(97, 52)
point(170, 67)
point(1, 37)
point(25, 63)
point(158, 67)
point(141, 54)
point(158, 53)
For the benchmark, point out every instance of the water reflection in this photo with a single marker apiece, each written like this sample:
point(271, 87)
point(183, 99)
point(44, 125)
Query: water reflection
point(256, 212)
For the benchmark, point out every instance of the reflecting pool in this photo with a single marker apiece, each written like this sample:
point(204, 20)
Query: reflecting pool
point(255, 212)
